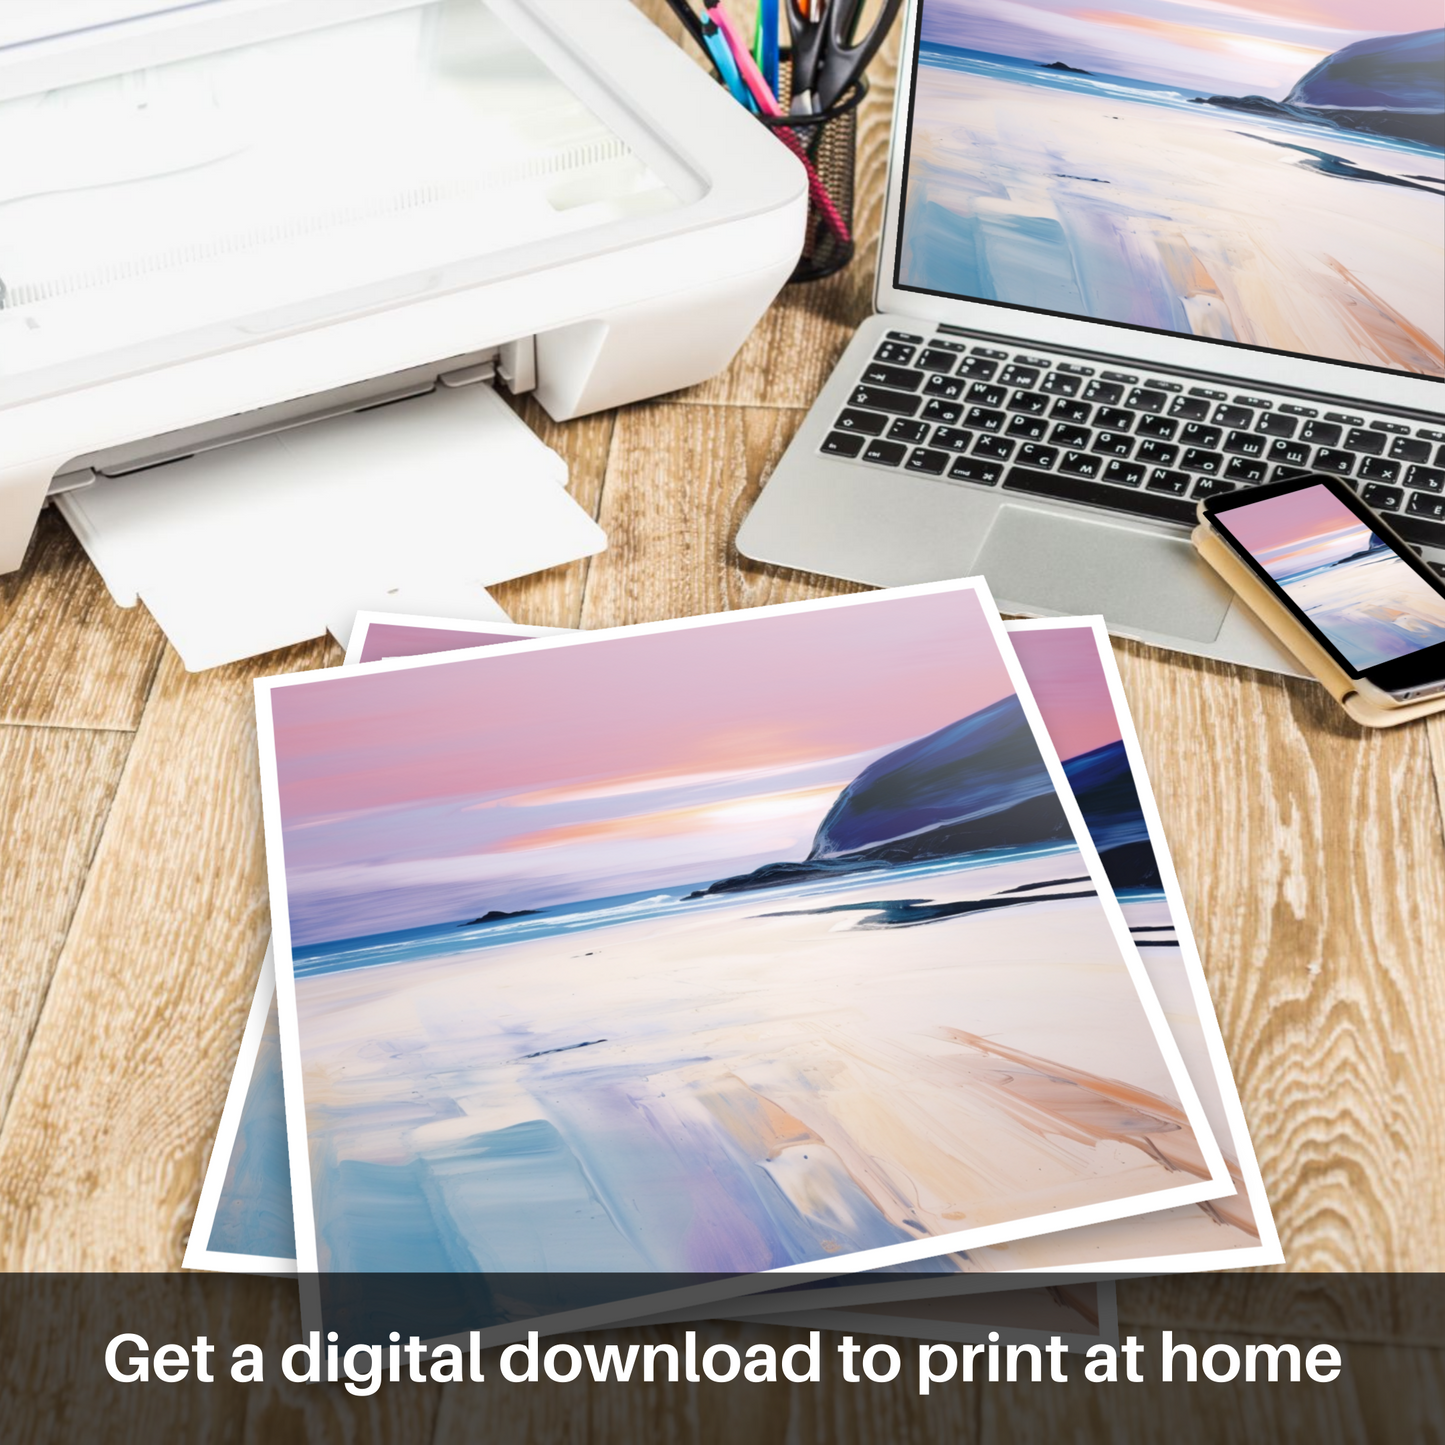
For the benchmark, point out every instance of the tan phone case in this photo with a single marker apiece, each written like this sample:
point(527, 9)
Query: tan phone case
point(1263, 603)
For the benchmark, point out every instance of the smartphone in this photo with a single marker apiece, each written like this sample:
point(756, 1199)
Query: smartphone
point(1339, 570)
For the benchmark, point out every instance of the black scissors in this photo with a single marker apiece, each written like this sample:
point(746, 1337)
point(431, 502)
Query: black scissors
point(828, 56)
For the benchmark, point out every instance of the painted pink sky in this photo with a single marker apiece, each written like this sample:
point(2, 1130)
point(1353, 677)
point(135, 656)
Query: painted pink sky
point(603, 767)
point(1234, 47)
point(1299, 529)
point(1068, 683)
point(395, 639)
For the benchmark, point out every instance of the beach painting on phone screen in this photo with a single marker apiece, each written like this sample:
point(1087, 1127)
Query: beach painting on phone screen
point(1368, 602)
point(755, 942)
point(1265, 171)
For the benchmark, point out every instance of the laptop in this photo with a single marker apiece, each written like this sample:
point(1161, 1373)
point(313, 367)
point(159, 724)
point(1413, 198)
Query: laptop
point(1130, 257)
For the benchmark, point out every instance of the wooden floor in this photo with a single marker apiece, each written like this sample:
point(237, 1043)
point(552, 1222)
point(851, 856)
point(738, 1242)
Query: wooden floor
point(133, 907)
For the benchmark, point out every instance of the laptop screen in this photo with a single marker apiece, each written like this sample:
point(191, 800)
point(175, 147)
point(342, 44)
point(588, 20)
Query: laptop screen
point(1269, 173)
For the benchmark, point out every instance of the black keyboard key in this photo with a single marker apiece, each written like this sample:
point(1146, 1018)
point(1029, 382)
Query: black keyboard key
point(1112, 444)
point(1124, 474)
point(945, 411)
point(843, 444)
point(1078, 411)
point(904, 430)
point(1076, 370)
point(1195, 435)
point(1099, 494)
point(1372, 443)
point(877, 398)
point(1036, 456)
point(877, 374)
point(1113, 418)
point(1427, 479)
point(1243, 469)
point(1156, 454)
point(1322, 433)
point(1163, 480)
point(971, 469)
point(1245, 444)
point(1381, 498)
point(1199, 460)
point(1297, 410)
point(957, 347)
point(989, 351)
point(1035, 403)
point(977, 369)
point(981, 394)
point(1377, 469)
point(867, 422)
point(905, 336)
point(1211, 487)
point(1235, 416)
point(886, 454)
point(948, 387)
point(1144, 398)
point(895, 353)
point(1406, 449)
point(924, 459)
point(1272, 424)
point(1037, 361)
point(1060, 383)
point(1419, 530)
point(1189, 408)
point(1344, 419)
point(1070, 436)
point(1394, 427)
point(1289, 474)
point(1429, 435)
point(1329, 459)
point(1423, 504)
point(1020, 376)
point(1440, 457)
point(954, 438)
point(1107, 392)
point(1127, 377)
point(1157, 426)
point(1209, 395)
point(1292, 454)
point(982, 419)
point(993, 447)
point(1032, 428)
point(935, 360)
point(1081, 464)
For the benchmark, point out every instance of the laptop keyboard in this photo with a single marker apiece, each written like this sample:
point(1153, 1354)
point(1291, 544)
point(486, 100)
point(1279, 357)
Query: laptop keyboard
point(1140, 444)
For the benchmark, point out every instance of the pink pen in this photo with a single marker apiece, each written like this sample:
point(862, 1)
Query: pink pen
point(768, 105)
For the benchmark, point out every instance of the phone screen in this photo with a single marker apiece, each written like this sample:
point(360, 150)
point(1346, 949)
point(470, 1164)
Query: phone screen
point(1369, 603)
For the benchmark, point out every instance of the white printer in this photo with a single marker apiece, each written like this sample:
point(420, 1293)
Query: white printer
point(227, 219)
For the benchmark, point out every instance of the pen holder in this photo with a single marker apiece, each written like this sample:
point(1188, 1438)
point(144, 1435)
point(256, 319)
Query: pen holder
point(826, 143)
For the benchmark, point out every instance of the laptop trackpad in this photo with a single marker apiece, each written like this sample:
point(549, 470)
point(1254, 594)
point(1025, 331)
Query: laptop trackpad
point(1070, 565)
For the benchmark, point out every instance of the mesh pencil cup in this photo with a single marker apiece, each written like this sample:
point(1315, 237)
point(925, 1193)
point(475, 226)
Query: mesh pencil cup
point(826, 143)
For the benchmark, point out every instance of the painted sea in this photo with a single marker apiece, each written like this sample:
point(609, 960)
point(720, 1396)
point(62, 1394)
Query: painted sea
point(1159, 205)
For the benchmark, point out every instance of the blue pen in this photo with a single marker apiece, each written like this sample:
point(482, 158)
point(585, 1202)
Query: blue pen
point(727, 67)
point(768, 29)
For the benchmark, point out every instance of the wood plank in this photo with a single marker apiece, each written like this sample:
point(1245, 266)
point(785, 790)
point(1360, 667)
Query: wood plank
point(102, 1150)
point(554, 598)
point(69, 657)
point(1311, 858)
point(679, 482)
point(56, 786)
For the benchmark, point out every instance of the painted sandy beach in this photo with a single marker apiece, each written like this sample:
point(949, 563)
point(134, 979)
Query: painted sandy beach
point(1132, 200)
point(739, 1083)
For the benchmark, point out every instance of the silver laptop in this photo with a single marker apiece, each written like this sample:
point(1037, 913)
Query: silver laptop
point(1130, 257)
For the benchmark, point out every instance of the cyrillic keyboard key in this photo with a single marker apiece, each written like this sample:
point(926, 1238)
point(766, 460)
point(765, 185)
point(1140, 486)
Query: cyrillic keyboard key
point(1019, 376)
point(1156, 426)
point(1058, 383)
point(982, 394)
point(1107, 392)
point(1241, 469)
point(1424, 504)
point(1124, 474)
point(1075, 411)
point(1036, 456)
point(1211, 487)
point(1272, 424)
point(1199, 460)
point(983, 419)
point(1189, 408)
point(1377, 469)
point(1112, 444)
point(1245, 443)
point(1322, 433)
point(948, 387)
point(1427, 479)
point(977, 369)
point(1330, 459)
point(1099, 494)
point(1162, 480)
point(953, 438)
point(1156, 454)
point(1381, 498)
point(1114, 418)
point(1070, 436)
point(995, 447)
point(1081, 464)
point(1035, 403)
point(1235, 416)
point(1291, 454)
point(1030, 427)
point(1144, 398)
point(1195, 435)
point(946, 411)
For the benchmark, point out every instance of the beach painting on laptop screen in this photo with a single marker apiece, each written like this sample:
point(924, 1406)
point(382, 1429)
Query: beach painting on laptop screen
point(1267, 171)
point(769, 940)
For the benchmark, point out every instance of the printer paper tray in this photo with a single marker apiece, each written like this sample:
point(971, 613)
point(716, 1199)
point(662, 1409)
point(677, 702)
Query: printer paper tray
point(417, 506)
